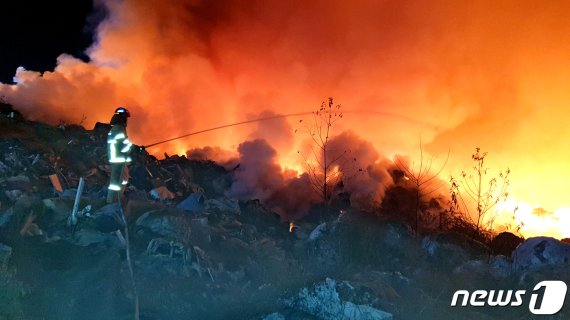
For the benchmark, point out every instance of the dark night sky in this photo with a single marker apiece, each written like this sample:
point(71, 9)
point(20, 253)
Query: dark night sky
point(34, 33)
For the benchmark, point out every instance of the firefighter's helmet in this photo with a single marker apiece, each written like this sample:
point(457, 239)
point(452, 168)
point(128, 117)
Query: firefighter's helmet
point(122, 111)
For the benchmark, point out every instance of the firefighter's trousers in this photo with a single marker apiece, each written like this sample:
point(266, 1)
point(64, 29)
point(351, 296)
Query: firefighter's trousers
point(119, 178)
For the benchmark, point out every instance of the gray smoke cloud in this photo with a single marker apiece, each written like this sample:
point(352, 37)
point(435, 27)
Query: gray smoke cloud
point(364, 169)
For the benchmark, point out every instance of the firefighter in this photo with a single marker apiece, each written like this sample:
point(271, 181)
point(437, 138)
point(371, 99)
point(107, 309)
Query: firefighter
point(118, 150)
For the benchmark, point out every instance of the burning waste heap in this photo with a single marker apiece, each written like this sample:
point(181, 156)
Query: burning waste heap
point(216, 242)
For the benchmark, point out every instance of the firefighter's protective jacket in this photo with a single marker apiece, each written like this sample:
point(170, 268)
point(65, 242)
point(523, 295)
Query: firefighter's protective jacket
point(118, 145)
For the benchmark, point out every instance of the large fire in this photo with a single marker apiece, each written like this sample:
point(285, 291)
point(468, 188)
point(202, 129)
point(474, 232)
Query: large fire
point(460, 75)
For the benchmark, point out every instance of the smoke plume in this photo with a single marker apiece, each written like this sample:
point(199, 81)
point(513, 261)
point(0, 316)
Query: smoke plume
point(492, 74)
point(259, 176)
point(364, 172)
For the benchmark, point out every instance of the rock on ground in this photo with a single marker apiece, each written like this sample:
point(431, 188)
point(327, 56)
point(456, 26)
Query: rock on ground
point(505, 243)
point(540, 251)
point(323, 301)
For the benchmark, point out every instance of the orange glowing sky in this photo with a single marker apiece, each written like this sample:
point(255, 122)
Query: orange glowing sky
point(492, 74)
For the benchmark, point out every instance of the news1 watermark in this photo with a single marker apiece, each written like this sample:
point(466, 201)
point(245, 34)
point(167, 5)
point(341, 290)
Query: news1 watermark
point(547, 298)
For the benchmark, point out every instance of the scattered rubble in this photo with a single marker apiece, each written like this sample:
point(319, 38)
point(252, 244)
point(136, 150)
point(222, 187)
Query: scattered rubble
point(501, 267)
point(162, 193)
point(207, 256)
point(323, 302)
point(318, 231)
point(194, 203)
point(87, 237)
point(159, 222)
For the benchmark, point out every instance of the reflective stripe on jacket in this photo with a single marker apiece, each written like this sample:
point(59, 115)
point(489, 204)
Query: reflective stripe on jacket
point(118, 145)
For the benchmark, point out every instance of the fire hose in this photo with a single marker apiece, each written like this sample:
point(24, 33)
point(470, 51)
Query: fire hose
point(279, 116)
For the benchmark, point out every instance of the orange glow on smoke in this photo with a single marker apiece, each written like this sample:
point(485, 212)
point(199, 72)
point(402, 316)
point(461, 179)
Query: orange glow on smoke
point(465, 74)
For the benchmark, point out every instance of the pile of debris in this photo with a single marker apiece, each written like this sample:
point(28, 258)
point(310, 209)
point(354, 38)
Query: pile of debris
point(181, 223)
point(208, 256)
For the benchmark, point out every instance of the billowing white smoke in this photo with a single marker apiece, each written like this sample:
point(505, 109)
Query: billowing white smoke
point(364, 171)
point(259, 176)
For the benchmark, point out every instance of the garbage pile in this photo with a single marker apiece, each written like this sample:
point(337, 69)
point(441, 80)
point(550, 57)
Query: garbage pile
point(181, 222)
point(41, 162)
point(200, 254)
